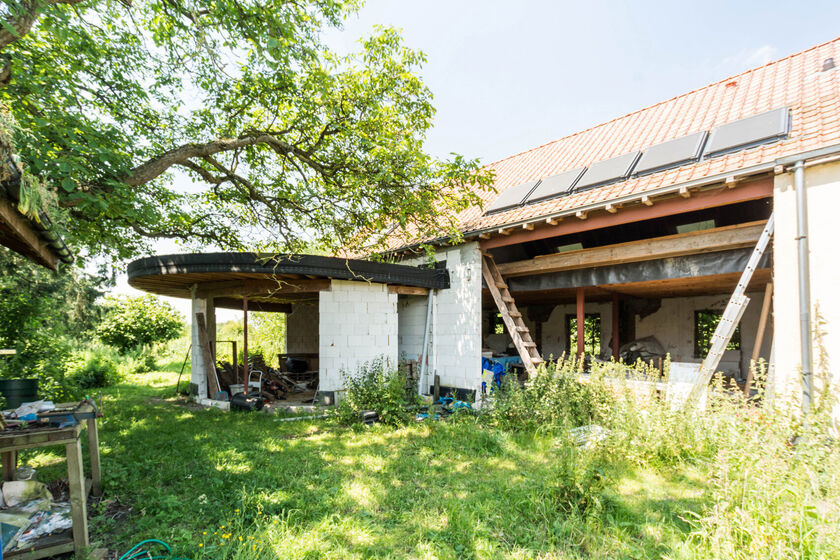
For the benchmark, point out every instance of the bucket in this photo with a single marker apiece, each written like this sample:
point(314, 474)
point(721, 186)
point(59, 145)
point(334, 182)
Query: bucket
point(236, 388)
point(18, 391)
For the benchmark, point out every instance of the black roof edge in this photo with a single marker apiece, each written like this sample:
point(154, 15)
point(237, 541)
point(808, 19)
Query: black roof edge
point(272, 263)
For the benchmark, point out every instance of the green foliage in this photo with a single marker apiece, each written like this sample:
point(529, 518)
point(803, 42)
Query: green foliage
point(553, 400)
point(376, 386)
point(135, 322)
point(294, 143)
point(44, 316)
point(92, 368)
point(267, 336)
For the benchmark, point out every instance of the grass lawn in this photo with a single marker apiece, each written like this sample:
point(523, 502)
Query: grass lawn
point(219, 485)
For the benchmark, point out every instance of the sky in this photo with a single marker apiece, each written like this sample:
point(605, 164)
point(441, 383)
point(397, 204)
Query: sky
point(510, 76)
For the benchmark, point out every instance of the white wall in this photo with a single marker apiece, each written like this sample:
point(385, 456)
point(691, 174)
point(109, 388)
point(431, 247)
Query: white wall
point(302, 328)
point(555, 337)
point(412, 320)
point(197, 372)
point(822, 184)
point(357, 323)
point(455, 339)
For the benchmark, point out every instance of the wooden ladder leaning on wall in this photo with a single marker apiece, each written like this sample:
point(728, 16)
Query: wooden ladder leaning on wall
point(512, 317)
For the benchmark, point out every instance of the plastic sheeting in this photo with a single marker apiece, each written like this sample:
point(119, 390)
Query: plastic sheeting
point(690, 266)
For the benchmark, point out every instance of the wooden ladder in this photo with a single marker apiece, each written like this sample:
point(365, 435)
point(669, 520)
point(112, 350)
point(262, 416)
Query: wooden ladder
point(512, 317)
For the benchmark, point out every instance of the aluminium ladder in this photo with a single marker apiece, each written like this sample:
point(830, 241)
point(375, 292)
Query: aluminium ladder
point(511, 316)
point(731, 316)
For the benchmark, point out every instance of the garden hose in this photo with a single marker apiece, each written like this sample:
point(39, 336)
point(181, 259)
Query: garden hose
point(140, 552)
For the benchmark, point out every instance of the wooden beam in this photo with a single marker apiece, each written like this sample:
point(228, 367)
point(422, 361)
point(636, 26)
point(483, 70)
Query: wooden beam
point(552, 221)
point(261, 288)
point(504, 231)
point(615, 325)
point(484, 235)
point(684, 192)
point(408, 290)
point(701, 200)
point(21, 228)
point(731, 182)
point(244, 343)
point(207, 355)
point(528, 226)
point(691, 243)
point(759, 335)
point(579, 323)
point(611, 208)
point(646, 200)
point(581, 215)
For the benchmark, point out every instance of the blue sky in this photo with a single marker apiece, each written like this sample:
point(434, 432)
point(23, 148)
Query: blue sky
point(508, 76)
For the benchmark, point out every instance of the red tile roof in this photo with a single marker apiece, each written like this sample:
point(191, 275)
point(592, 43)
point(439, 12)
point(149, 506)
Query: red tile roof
point(796, 81)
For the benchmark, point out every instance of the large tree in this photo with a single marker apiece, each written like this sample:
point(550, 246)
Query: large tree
point(294, 143)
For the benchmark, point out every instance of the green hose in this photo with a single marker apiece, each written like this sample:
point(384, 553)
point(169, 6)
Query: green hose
point(139, 551)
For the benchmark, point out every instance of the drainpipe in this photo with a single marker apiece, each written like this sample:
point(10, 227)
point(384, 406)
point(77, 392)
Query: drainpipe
point(804, 285)
point(424, 355)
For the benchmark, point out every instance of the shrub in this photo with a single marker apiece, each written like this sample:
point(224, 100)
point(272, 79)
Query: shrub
point(92, 368)
point(379, 387)
point(132, 323)
point(553, 399)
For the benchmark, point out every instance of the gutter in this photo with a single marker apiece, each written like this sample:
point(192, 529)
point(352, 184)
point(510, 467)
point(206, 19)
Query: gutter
point(828, 152)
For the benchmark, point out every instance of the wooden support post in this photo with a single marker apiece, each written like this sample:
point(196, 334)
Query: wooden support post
point(235, 359)
point(9, 465)
point(207, 355)
point(93, 449)
point(615, 326)
point(78, 497)
point(581, 343)
point(245, 342)
point(437, 388)
point(759, 335)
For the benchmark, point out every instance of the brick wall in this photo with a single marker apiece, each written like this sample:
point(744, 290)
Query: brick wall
point(358, 322)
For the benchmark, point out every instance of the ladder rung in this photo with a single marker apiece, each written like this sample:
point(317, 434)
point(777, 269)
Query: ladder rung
point(501, 285)
point(521, 328)
point(536, 361)
point(515, 314)
point(508, 299)
point(529, 344)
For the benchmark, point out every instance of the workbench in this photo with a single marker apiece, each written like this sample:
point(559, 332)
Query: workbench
point(12, 441)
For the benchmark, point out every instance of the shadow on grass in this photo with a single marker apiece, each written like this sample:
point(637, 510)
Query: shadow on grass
point(446, 490)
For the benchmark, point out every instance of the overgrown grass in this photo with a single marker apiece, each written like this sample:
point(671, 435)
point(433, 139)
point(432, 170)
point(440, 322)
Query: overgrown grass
point(221, 485)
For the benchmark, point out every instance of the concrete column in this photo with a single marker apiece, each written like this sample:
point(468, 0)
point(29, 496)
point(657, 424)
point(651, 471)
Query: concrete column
point(197, 370)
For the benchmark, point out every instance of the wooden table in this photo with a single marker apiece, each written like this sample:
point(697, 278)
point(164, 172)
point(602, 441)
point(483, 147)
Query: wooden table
point(12, 441)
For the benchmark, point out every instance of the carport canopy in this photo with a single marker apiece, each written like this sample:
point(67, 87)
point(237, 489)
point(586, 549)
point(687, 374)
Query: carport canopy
point(271, 282)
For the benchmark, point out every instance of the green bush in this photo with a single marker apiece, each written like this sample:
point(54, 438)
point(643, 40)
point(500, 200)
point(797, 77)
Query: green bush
point(92, 368)
point(552, 400)
point(377, 386)
point(133, 323)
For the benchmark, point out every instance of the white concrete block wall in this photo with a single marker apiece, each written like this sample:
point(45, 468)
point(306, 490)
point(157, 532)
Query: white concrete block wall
point(357, 323)
point(455, 340)
point(673, 326)
point(822, 184)
point(197, 371)
point(302, 328)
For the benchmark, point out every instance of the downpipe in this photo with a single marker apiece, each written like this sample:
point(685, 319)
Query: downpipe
point(803, 259)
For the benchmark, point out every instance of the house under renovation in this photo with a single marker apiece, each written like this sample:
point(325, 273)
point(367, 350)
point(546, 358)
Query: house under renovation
point(629, 239)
